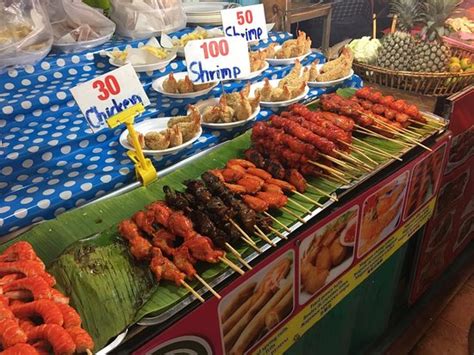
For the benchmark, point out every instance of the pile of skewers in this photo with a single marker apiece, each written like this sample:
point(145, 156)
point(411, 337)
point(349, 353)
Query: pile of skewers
point(35, 318)
point(234, 204)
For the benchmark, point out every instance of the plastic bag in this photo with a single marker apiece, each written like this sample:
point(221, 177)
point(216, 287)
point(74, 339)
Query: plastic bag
point(25, 33)
point(77, 26)
point(147, 18)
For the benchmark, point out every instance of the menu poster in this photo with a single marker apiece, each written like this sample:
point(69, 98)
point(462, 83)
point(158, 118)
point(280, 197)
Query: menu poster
point(452, 226)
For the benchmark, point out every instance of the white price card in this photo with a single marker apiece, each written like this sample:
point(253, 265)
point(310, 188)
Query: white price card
point(108, 94)
point(217, 59)
point(247, 22)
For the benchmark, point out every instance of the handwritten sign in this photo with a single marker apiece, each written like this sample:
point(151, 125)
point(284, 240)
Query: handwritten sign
point(247, 22)
point(217, 59)
point(109, 94)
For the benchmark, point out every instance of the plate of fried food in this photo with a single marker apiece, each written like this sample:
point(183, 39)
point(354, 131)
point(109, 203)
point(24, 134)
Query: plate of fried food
point(258, 64)
point(333, 72)
point(199, 33)
point(180, 86)
point(149, 57)
point(282, 92)
point(162, 136)
point(290, 51)
point(230, 110)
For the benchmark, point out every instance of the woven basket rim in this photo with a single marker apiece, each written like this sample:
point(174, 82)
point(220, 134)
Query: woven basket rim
point(413, 73)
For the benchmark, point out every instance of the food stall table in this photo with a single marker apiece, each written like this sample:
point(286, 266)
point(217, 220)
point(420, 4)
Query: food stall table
point(51, 157)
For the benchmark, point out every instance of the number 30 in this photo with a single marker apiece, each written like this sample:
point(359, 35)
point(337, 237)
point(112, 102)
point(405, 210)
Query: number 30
point(109, 86)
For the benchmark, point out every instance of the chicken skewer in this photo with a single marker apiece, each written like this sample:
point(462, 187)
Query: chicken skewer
point(276, 169)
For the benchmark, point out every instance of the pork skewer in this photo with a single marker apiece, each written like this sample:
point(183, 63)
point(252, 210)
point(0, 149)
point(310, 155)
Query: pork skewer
point(185, 202)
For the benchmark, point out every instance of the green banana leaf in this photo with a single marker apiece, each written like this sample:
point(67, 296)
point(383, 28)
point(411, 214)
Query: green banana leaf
point(93, 267)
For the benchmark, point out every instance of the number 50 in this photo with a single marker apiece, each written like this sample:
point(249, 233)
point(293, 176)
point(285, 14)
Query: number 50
point(244, 17)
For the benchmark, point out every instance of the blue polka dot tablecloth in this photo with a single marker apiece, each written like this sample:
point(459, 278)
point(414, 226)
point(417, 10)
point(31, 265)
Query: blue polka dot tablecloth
point(50, 161)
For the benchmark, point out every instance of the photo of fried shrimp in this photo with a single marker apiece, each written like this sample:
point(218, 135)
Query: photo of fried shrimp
point(327, 253)
point(382, 213)
point(250, 311)
point(257, 60)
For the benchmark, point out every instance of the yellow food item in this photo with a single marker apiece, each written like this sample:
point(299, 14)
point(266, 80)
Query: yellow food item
point(198, 34)
point(465, 63)
point(454, 67)
point(454, 60)
point(157, 52)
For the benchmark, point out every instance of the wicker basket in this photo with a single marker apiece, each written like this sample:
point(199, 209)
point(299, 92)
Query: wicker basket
point(423, 83)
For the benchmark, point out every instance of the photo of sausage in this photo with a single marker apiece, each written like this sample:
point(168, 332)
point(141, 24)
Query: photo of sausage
point(462, 148)
point(451, 192)
point(382, 213)
point(257, 306)
point(326, 254)
point(424, 180)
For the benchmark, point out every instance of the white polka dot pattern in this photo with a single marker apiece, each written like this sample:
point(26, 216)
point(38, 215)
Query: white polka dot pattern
point(49, 159)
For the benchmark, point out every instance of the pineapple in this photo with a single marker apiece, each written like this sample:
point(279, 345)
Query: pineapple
point(396, 51)
point(430, 57)
point(401, 51)
point(409, 13)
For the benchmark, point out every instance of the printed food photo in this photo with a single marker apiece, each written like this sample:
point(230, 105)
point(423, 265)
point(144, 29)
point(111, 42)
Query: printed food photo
point(327, 254)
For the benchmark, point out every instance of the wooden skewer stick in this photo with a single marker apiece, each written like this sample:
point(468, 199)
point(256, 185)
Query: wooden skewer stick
point(378, 135)
point(303, 208)
point(399, 131)
point(333, 179)
point(231, 265)
point(263, 236)
point(380, 151)
point(364, 165)
point(307, 198)
point(340, 163)
point(237, 255)
point(206, 285)
point(290, 212)
point(357, 149)
point(190, 289)
point(394, 23)
point(340, 173)
point(374, 25)
point(324, 193)
point(277, 221)
point(333, 171)
point(278, 233)
point(244, 234)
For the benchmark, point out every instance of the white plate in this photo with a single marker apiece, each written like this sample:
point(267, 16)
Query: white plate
point(274, 83)
point(256, 73)
point(201, 105)
point(155, 124)
point(213, 20)
point(80, 46)
point(151, 66)
point(323, 84)
point(157, 85)
point(286, 61)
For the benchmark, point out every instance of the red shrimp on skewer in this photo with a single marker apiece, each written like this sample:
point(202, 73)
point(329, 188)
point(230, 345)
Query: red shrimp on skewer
point(55, 335)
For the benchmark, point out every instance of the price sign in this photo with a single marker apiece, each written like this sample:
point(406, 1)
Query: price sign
point(217, 59)
point(247, 22)
point(109, 94)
